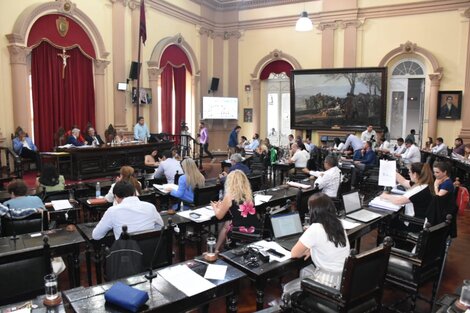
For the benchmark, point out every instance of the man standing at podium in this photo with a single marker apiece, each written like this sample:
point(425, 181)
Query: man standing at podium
point(141, 132)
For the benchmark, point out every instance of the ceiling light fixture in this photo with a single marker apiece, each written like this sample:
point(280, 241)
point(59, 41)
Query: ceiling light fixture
point(304, 24)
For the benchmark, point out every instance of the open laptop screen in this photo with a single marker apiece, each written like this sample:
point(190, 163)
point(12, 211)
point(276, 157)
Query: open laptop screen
point(351, 201)
point(286, 224)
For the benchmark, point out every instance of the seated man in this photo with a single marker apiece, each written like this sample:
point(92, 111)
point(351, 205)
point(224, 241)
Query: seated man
point(384, 146)
point(19, 198)
point(92, 139)
point(299, 156)
point(130, 211)
point(151, 159)
point(73, 139)
point(236, 160)
point(366, 159)
point(459, 147)
point(411, 154)
point(254, 144)
point(399, 147)
point(440, 148)
point(168, 167)
point(25, 148)
point(69, 133)
point(329, 180)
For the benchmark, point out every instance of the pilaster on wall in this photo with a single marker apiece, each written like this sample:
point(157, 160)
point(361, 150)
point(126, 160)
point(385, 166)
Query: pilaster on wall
point(465, 131)
point(100, 99)
point(233, 38)
point(155, 84)
point(119, 72)
point(327, 43)
point(204, 33)
point(433, 104)
point(20, 84)
point(350, 42)
point(218, 60)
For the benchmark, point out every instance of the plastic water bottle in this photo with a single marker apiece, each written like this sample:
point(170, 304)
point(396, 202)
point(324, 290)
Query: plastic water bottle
point(98, 190)
point(221, 194)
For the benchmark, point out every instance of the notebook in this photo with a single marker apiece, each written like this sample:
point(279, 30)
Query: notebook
point(353, 208)
point(287, 229)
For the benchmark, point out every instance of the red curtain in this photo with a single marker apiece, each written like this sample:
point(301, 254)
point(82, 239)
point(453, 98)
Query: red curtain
point(179, 74)
point(60, 102)
point(277, 67)
point(167, 99)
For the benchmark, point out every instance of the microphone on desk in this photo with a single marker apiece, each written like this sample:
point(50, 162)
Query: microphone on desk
point(152, 275)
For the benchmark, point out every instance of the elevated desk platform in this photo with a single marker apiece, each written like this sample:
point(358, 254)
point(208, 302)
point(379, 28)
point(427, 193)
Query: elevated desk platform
point(89, 162)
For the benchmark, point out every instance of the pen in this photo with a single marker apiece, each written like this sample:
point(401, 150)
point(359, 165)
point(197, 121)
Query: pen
point(201, 261)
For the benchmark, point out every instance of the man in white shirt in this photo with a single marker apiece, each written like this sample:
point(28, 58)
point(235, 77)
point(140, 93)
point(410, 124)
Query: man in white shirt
point(440, 148)
point(130, 211)
point(399, 147)
point(384, 146)
point(300, 156)
point(254, 144)
point(168, 167)
point(329, 180)
point(369, 134)
point(355, 143)
point(412, 153)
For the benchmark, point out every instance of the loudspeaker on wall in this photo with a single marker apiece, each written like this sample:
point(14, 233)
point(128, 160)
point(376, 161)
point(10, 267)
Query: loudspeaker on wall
point(214, 84)
point(134, 71)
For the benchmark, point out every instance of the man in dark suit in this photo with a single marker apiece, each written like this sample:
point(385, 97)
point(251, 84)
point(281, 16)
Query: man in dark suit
point(73, 139)
point(92, 139)
point(449, 110)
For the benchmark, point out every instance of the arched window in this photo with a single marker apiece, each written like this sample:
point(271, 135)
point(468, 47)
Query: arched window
point(408, 68)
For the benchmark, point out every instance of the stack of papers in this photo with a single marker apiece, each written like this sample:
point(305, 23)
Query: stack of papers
point(162, 188)
point(61, 205)
point(215, 271)
point(383, 204)
point(199, 215)
point(397, 191)
point(180, 275)
point(260, 199)
point(349, 225)
point(266, 245)
point(298, 185)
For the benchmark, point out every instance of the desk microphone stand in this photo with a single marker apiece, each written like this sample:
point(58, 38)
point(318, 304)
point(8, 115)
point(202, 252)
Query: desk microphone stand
point(13, 237)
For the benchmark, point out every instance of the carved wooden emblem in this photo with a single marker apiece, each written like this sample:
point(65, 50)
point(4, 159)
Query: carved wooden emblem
point(62, 25)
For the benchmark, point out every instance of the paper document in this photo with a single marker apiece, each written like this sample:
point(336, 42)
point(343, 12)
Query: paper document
point(180, 275)
point(298, 185)
point(165, 186)
point(397, 191)
point(215, 271)
point(387, 173)
point(199, 215)
point(349, 225)
point(384, 204)
point(260, 199)
point(69, 145)
point(266, 245)
point(61, 205)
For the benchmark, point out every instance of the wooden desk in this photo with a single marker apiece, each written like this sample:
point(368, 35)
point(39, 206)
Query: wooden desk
point(282, 168)
point(61, 242)
point(38, 304)
point(261, 274)
point(89, 162)
point(165, 298)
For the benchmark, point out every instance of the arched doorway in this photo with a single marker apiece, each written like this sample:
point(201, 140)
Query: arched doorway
point(406, 96)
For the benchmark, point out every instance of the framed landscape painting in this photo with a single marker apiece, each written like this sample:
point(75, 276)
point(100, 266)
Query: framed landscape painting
point(338, 99)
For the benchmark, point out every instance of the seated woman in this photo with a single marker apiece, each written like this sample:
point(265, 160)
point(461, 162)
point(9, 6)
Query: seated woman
point(151, 159)
point(19, 198)
point(325, 241)
point(192, 177)
point(238, 202)
point(444, 190)
point(49, 180)
point(126, 173)
point(418, 195)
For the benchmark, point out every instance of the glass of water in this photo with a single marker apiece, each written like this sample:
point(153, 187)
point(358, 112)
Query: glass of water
point(306, 221)
point(50, 283)
point(211, 246)
point(465, 294)
point(146, 184)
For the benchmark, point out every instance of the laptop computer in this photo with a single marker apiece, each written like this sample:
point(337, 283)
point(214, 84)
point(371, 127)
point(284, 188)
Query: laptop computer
point(354, 210)
point(287, 228)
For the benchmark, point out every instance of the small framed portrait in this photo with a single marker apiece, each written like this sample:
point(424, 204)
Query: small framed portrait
point(247, 115)
point(450, 105)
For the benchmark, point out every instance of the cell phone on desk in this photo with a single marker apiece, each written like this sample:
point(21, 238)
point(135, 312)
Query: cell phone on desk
point(194, 215)
point(275, 253)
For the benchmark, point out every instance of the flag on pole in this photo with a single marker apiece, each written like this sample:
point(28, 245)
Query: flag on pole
point(143, 26)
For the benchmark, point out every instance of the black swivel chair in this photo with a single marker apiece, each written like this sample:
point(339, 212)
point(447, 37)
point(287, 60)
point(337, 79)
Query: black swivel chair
point(359, 292)
point(33, 223)
point(408, 271)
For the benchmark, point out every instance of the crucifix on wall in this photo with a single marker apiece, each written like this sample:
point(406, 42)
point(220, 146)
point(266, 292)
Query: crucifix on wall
point(64, 57)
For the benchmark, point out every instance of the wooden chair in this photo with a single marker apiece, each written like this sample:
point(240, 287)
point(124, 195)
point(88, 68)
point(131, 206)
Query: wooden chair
point(408, 271)
point(8, 172)
point(359, 291)
point(25, 163)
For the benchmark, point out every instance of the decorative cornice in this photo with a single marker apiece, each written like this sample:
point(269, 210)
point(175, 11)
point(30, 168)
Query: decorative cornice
point(467, 13)
point(100, 66)
point(205, 31)
point(18, 54)
point(232, 34)
point(435, 79)
point(154, 73)
point(230, 5)
point(351, 23)
point(123, 2)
